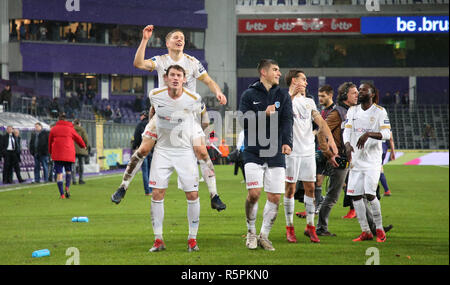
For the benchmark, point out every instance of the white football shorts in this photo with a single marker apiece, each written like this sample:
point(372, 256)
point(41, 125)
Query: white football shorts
point(300, 168)
point(184, 163)
point(259, 176)
point(362, 182)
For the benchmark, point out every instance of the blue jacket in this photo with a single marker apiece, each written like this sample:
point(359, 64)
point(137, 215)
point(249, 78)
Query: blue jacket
point(256, 98)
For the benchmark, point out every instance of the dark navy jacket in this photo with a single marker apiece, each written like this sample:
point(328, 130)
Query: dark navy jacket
point(257, 98)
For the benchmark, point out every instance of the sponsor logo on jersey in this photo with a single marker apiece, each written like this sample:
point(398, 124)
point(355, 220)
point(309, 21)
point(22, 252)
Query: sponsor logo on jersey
point(350, 191)
point(362, 130)
point(252, 183)
point(386, 121)
point(256, 103)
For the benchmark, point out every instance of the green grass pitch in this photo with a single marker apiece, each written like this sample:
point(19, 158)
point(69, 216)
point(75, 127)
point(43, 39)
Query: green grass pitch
point(33, 217)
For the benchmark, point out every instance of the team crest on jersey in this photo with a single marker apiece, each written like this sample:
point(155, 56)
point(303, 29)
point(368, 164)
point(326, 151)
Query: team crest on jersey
point(153, 58)
point(277, 104)
point(372, 119)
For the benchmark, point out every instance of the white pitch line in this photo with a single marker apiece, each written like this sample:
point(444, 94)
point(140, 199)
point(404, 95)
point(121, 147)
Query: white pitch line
point(28, 186)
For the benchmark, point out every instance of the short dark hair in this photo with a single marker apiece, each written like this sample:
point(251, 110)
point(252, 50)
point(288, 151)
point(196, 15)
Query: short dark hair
point(61, 116)
point(292, 74)
point(172, 32)
point(265, 63)
point(76, 122)
point(176, 67)
point(38, 123)
point(343, 91)
point(327, 89)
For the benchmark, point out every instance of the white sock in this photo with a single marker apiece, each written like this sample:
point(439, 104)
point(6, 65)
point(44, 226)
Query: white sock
point(376, 210)
point(269, 216)
point(310, 209)
point(360, 210)
point(193, 215)
point(157, 213)
point(251, 210)
point(134, 165)
point(289, 210)
point(208, 173)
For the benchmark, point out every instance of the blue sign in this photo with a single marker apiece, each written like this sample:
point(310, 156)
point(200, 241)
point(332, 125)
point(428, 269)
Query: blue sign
point(404, 25)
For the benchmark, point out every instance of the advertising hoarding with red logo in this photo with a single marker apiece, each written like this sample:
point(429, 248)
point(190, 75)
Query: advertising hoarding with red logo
point(299, 26)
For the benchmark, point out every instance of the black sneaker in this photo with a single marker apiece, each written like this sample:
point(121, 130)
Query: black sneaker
point(67, 194)
point(217, 204)
point(81, 182)
point(325, 233)
point(388, 228)
point(118, 195)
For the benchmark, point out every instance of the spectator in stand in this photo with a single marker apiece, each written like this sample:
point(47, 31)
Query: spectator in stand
point(138, 103)
point(387, 100)
point(22, 31)
point(405, 99)
point(90, 95)
point(107, 113)
point(70, 37)
point(13, 35)
point(33, 30)
point(39, 150)
point(74, 103)
point(5, 98)
point(117, 116)
point(80, 92)
point(54, 108)
point(34, 107)
point(43, 32)
point(397, 98)
point(62, 150)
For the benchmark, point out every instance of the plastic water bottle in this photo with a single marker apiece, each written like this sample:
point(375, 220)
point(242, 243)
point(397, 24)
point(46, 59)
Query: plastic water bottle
point(80, 219)
point(83, 219)
point(41, 253)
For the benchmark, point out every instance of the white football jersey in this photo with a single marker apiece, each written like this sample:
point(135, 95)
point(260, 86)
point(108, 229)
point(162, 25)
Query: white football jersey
point(176, 122)
point(194, 69)
point(303, 137)
point(374, 119)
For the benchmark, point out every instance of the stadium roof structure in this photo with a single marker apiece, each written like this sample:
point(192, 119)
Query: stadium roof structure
point(23, 122)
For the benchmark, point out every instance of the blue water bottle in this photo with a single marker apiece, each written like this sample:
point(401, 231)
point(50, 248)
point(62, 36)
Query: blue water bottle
point(41, 253)
point(75, 219)
point(83, 219)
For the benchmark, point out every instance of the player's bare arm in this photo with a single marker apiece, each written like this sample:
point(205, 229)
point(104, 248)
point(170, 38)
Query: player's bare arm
point(324, 130)
point(362, 140)
point(392, 146)
point(212, 85)
point(348, 151)
point(139, 59)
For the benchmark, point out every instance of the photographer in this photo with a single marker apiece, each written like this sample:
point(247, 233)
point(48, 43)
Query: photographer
point(347, 97)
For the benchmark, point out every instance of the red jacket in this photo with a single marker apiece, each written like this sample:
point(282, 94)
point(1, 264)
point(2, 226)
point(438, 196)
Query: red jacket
point(60, 142)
